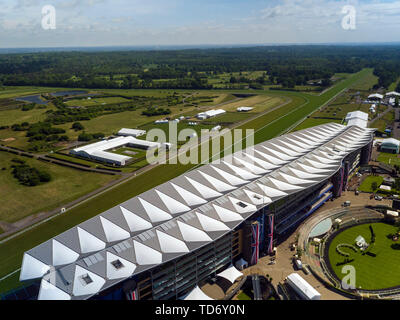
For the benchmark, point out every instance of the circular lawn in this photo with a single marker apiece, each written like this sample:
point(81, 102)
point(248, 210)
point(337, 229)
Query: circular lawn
point(379, 267)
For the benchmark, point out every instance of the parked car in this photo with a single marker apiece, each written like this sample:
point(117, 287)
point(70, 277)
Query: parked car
point(378, 198)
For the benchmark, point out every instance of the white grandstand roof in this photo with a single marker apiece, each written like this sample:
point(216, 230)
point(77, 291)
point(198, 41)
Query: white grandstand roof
point(187, 212)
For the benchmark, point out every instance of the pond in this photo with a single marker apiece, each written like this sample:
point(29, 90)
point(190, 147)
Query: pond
point(32, 99)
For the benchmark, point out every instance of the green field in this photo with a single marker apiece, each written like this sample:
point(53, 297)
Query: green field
point(389, 158)
point(372, 273)
point(266, 127)
point(366, 185)
point(67, 184)
point(10, 117)
point(310, 122)
point(95, 101)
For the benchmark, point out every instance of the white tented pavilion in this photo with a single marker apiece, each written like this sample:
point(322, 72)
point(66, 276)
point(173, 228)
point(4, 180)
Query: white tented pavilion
point(231, 274)
point(197, 294)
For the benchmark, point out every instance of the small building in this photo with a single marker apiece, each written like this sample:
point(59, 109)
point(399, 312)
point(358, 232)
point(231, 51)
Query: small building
point(361, 243)
point(390, 145)
point(244, 109)
point(302, 287)
point(131, 132)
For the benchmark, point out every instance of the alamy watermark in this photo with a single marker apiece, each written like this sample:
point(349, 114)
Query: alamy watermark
point(350, 19)
point(49, 17)
point(349, 280)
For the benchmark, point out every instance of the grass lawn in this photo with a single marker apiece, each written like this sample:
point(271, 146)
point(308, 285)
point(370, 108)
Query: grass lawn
point(243, 296)
point(267, 126)
point(310, 122)
point(389, 158)
point(10, 117)
point(134, 153)
point(95, 101)
point(366, 185)
point(372, 273)
point(67, 184)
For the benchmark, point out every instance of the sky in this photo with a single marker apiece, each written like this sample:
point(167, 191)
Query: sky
point(188, 22)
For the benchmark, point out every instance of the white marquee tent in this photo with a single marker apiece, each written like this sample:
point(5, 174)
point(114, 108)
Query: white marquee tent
point(231, 274)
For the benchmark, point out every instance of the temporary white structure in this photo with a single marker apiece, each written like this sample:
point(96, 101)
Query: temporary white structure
point(98, 151)
point(131, 132)
point(375, 96)
point(302, 287)
point(197, 294)
point(230, 274)
point(210, 113)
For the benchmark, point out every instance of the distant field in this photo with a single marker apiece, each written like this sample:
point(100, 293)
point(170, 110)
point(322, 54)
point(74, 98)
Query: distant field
point(337, 109)
point(67, 184)
point(96, 101)
point(10, 117)
point(366, 82)
point(138, 92)
point(372, 273)
point(259, 103)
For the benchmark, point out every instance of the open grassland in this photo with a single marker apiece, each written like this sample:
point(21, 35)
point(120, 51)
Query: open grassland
point(10, 117)
point(372, 273)
point(95, 101)
point(367, 82)
point(259, 103)
point(366, 185)
point(266, 127)
point(67, 184)
point(389, 158)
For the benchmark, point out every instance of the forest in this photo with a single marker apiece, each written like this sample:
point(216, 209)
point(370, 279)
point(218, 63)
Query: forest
point(191, 68)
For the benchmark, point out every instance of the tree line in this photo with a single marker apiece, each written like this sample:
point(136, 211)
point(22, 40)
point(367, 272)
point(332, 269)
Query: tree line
point(191, 69)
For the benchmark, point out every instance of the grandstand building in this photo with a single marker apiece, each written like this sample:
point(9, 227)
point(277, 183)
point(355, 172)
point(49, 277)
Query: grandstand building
point(165, 242)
